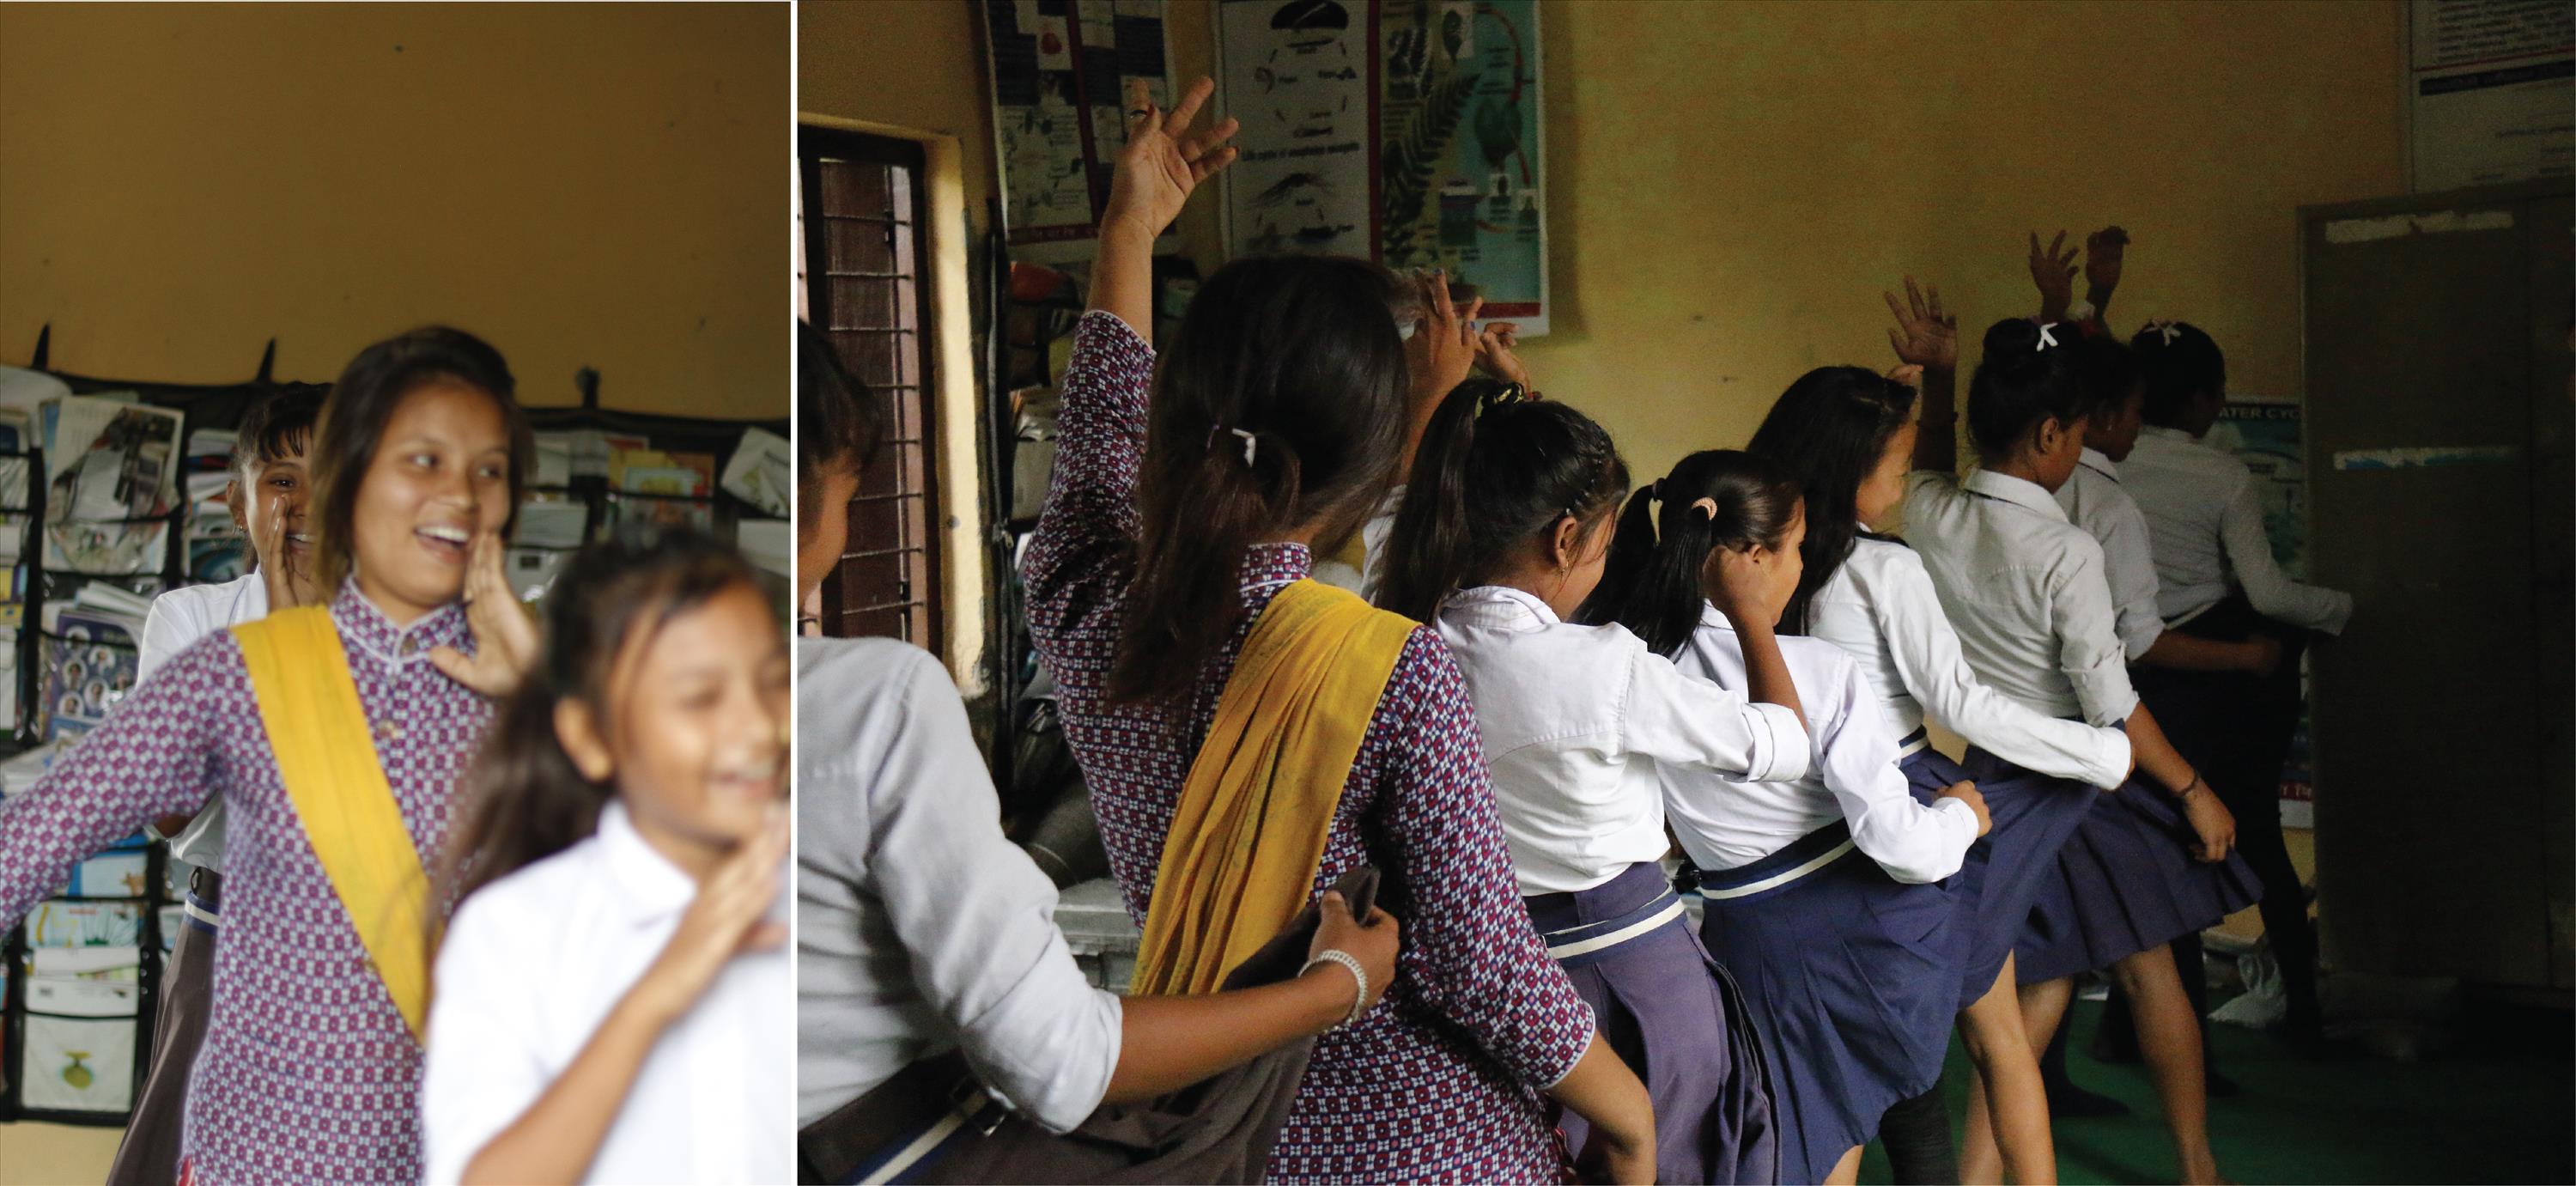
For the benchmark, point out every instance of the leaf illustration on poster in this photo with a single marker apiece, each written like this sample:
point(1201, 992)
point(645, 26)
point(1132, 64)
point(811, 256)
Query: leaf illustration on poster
point(1439, 165)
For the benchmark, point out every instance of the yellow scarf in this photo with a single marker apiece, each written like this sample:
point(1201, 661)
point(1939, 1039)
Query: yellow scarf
point(1249, 830)
point(326, 755)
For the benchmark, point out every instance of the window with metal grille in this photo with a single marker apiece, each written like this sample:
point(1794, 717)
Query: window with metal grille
point(867, 291)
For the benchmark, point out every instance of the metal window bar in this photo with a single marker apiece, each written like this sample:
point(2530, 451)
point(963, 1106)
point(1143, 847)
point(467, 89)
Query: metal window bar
point(864, 226)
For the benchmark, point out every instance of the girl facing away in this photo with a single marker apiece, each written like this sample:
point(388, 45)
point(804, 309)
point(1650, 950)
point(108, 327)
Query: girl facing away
point(1823, 889)
point(1504, 531)
point(1187, 494)
point(925, 938)
point(2027, 592)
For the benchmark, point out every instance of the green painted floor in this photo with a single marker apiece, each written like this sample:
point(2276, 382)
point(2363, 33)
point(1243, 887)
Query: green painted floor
point(2499, 1108)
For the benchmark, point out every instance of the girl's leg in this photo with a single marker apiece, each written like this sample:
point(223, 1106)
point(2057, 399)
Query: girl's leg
point(2169, 1042)
point(1847, 1171)
point(2005, 1096)
point(1916, 1134)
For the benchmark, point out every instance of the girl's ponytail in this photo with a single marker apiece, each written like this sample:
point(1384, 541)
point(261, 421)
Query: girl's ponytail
point(1712, 499)
point(1427, 548)
point(1493, 471)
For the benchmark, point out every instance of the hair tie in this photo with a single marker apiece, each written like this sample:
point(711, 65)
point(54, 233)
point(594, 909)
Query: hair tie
point(1707, 506)
point(2046, 339)
point(1249, 441)
point(2166, 327)
point(1655, 490)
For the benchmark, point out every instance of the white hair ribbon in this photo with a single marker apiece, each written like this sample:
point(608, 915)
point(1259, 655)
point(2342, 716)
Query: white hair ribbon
point(2046, 339)
point(2167, 328)
point(1249, 441)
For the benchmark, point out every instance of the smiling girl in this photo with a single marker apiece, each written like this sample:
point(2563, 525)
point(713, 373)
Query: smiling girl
point(612, 998)
point(366, 711)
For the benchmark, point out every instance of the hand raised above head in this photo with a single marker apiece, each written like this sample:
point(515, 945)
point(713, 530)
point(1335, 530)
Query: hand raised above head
point(2053, 270)
point(1162, 163)
point(1924, 335)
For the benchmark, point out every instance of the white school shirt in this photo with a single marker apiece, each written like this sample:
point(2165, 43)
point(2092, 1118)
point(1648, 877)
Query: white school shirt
point(2025, 590)
point(534, 962)
point(177, 619)
point(1880, 608)
point(919, 928)
point(2205, 523)
point(1373, 533)
point(2095, 501)
point(1852, 775)
point(1575, 720)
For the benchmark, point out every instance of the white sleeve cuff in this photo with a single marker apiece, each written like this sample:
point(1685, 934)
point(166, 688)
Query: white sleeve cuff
point(1780, 748)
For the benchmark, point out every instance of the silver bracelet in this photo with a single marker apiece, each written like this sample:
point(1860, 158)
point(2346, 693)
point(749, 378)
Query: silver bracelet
point(1336, 955)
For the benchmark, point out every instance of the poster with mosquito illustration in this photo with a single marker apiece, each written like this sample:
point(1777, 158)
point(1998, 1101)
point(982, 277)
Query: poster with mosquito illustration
point(1407, 131)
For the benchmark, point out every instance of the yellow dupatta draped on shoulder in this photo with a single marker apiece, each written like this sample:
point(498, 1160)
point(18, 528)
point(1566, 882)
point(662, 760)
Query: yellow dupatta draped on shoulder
point(1249, 830)
point(326, 756)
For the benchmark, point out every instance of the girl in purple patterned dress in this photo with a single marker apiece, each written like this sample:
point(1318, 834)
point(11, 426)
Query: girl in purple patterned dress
point(1276, 426)
point(309, 1072)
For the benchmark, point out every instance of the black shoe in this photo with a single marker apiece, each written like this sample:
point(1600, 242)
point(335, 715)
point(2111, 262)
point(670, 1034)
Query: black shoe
point(2066, 1101)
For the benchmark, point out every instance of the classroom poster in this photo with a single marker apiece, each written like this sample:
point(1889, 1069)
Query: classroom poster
point(1406, 131)
point(2490, 91)
point(1059, 68)
point(2269, 438)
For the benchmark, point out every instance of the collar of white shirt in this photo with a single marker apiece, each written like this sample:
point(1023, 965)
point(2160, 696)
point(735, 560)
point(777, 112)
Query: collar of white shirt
point(649, 886)
point(1503, 598)
point(1709, 616)
point(2095, 460)
point(2020, 492)
point(2162, 433)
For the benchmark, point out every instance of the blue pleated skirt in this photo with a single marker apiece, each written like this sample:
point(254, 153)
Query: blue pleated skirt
point(2033, 816)
point(2127, 882)
point(1675, 1017)
point(1852, 981)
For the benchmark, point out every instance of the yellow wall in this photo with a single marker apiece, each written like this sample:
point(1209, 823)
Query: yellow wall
point(1734, 183)
point(582, 184)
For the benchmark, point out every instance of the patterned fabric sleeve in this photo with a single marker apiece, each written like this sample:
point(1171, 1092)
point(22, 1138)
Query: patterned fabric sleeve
point(1469, 950)
point(1085, 546)
point(154, 755)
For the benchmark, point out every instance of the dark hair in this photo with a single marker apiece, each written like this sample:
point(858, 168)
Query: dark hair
point(2176, 371)
point(838, 420)
point(2022, 381)
point(1653, 584)
point(2107, 369)
point(363, 402)
point(1300, 354)
point(524, 798)
point(1492, 471)
point(276, 425)
point(1826, 433)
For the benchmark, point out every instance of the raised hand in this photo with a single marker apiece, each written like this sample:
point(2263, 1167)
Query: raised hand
point(1443, 346)
point(1494, 352)
point(1924, 336)
point(2053, 270)
point(2103, 252)
point(505, 637)
point(1163, 163)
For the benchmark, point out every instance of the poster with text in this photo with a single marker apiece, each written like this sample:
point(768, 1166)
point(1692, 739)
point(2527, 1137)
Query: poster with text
point(1058, 69)
point(2490, 91)
point(1406, 131)
point(2269, 438)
